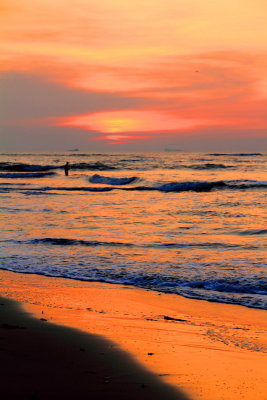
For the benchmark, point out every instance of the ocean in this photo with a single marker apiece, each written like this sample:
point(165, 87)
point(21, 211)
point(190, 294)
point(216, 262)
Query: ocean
point(192, 224)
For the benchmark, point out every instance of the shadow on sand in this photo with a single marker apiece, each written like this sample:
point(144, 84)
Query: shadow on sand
point(43, 361)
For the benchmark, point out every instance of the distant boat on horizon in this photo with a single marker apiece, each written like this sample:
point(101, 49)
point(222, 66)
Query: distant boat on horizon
point(74, 150)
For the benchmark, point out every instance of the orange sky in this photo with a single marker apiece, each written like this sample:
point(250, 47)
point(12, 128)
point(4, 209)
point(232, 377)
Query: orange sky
point(143, 74)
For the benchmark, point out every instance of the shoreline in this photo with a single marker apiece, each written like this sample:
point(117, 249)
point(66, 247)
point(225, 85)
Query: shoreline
point(131, 286)
point(211, 351)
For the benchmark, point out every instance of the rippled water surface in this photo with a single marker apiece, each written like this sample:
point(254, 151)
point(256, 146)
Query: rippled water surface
point(187, 223)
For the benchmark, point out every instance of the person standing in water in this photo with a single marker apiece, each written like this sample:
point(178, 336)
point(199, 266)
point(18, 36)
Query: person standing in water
point(66, 168)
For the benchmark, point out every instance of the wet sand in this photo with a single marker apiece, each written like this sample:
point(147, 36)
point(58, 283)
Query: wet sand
point(72, 339)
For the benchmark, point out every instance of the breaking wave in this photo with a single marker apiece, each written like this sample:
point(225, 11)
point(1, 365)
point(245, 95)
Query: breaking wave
point(253, 232)
point(167, 246)
point(26, 175)
point(246, 184)
point(98, 166)
point(75, 242)
point(168, 187)
point(21, 167)
point(191, 186)
point(111, 180)
point(236, 154)
point(208, 166)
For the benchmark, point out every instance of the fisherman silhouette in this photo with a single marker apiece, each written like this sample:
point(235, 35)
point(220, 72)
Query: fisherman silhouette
point(66, 168)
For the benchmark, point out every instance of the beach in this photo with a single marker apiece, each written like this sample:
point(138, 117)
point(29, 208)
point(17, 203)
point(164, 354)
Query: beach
point(155, 345)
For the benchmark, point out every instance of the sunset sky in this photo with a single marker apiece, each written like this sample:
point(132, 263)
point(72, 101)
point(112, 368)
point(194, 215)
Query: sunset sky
point(116, 75)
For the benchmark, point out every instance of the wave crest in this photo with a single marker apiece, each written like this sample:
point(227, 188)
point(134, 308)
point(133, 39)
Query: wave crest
point(193, 186)
point(75, 242)
point(22, 167)
point(98, 166)
point(236, 154)
point(111, 180)
point(26, 175)
point(208, 166)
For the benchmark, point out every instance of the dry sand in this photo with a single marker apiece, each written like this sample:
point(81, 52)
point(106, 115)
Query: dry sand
point(127, 343)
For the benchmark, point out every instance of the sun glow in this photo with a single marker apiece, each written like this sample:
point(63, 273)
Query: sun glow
point(118, 139)
point(114, 125)
point(130, 121)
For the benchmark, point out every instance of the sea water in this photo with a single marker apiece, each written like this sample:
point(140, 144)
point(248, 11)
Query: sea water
point(192, 224)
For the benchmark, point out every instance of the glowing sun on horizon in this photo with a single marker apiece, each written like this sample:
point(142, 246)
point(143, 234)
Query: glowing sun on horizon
point(116, 125)
point(126, 121)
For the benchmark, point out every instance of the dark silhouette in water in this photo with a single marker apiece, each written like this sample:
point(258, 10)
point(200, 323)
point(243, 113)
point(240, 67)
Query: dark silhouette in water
point(66, 168)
